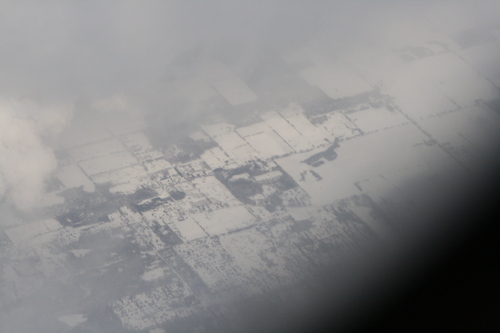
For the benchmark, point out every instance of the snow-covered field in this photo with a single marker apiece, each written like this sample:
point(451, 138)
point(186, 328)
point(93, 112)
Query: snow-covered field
point(440, 83)
point(230, 142)
point(217, 158)
point(96, 150)
point(485, 59)
point(125, 180)
point(187, 229)
point(27, 232)
point(264, 140)
point(213, 189)
point(178, 234)
point(139, 145)
point(73, 320)
point(294, 115)
point(108, 163)
point(371, 119)
point(470, 134)
point(337, 126)
point(286, 131)
point(233, 145)
point(72, 176)
point(224, 220)
point(399, 150)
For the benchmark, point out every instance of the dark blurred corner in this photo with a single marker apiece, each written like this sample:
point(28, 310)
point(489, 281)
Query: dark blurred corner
point(448, 281)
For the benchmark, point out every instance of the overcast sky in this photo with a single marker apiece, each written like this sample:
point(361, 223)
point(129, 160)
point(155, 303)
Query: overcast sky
point(66, 50)
point(54, 54)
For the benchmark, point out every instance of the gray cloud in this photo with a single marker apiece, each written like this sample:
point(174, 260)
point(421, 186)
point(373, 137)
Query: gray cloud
point(69, 50)
point(25, 159)
point(61, 52)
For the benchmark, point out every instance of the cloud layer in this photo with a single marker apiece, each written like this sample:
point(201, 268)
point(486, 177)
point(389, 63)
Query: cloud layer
point(25, 159)
point(59, 53)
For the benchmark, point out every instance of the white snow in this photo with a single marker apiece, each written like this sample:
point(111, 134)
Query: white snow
point(472, 132)
point(371, 119)
point(26, 232)
point(157, 165)
point(287, 132)
point(95, 150)
point(80, 253)
point(125, 180)
point(157, 330)
point(71, 176)
point(429, 86)
point(268, 176)
point(485, 59)
point(217, 158)
point(224, 220)
point(139, 144)
point(187, 229)
point(337, 126)
point(294, 114)
point(153, 274)
point(218, 129)
point(73, 320)
point(212, 188)
point(237, 148)
point(264, 140)
point(399, 150)
point(108, 163)
point(199, 135)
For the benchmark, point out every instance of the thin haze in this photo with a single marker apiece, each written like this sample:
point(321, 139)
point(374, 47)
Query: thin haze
point(55, 54)
point(65, 61)
point(58, 53)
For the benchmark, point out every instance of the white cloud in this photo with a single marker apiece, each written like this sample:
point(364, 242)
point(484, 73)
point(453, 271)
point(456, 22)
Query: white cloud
point(25, 157)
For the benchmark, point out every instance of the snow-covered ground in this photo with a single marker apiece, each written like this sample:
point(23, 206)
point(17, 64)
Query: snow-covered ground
point(224, 220)
point(264, 140)
point(371, 119)
point(73, 320)
point(399, 150)
point(72, 176)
